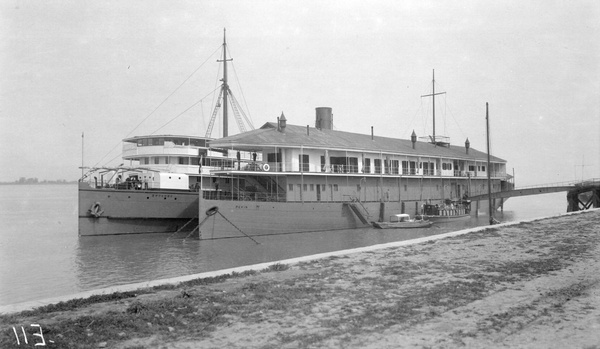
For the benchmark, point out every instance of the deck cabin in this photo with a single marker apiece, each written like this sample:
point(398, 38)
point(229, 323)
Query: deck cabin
point(302, 163)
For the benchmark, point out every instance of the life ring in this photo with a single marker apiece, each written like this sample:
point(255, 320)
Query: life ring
point(266, 167)
point(96, 210)
point(212, 211)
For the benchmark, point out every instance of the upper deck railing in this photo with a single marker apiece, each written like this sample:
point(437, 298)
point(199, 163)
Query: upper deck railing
point(295, 167)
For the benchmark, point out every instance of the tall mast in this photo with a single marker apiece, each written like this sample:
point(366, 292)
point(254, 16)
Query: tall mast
point(432, 95)
point(489, 171)
point(225, 86)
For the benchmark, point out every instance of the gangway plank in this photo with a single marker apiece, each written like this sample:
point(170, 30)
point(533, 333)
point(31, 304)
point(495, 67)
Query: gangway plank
point(574, 190)
point(523, 192)
point(358, 212)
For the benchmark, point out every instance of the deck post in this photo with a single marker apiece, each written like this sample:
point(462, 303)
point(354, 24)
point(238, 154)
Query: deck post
point(477, 209)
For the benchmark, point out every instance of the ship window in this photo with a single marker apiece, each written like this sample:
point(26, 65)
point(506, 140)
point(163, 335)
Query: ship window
point(335, 187)
point(323, 187)
point(303, 159)
point(483, 168)
point(404, 167)
point(290, 187)
point(377, 165)
point(274, 157)
point(312, 187)
point(156, 160)
point(305, 187)
point(198, 142)
point(367, 167)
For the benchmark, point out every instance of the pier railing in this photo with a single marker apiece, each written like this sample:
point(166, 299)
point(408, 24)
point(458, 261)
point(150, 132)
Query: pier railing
point(575, 183)
point(541, 189)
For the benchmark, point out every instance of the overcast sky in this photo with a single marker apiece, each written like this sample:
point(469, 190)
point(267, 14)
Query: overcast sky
point(102, 67)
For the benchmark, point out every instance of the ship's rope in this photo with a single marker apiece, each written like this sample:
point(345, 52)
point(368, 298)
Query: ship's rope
point(159, 105)
point(183, 227)
point(204, 220)
point(248, 236)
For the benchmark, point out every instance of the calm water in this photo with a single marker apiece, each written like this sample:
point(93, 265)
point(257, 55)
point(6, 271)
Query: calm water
point(41, 255)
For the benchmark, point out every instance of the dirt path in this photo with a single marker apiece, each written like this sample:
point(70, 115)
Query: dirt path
point(531, 285)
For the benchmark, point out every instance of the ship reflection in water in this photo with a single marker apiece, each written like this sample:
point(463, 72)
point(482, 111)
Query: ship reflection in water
point(104, 261)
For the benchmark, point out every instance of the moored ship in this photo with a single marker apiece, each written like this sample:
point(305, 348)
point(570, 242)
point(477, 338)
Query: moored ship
point(317, 178)
point(158, 191)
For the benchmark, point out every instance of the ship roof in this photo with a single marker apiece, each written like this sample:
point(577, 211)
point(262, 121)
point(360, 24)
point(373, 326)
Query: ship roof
point(293, 136)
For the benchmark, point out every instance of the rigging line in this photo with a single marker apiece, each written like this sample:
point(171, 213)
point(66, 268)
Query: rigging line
point(445, 113)
point(242, 92)
point(159, 105)
point(457, 124)
point(183, 112)
point(172, 93)
point(214, 104)
point(413, 119)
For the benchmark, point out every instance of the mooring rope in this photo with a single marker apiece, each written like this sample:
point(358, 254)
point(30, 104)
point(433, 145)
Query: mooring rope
point(182, 227)
point(248, 236)
point(205, 219)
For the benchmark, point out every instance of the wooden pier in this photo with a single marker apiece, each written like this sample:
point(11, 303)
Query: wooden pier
point(580, 195)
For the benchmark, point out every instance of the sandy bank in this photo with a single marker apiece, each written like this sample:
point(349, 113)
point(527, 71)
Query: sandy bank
point(534, 284)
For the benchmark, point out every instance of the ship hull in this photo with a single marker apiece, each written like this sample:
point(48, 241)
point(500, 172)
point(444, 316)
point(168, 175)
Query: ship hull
point(236, 219)
point(450, 218)
point(107, 211)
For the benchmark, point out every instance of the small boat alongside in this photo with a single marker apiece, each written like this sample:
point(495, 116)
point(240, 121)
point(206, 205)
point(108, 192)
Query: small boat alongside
point(447, 211)
point(403, 221)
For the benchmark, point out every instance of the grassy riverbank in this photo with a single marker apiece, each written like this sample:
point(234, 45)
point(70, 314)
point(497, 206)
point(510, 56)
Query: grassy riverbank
point(534, 284)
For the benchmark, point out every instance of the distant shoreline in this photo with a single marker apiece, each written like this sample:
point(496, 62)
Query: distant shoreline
point(59, 182)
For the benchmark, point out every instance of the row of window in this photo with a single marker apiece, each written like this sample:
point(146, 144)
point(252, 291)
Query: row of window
point(479, 168)
point(144, 142)
point(311, 187)
point(167, 160)
point(350, 164)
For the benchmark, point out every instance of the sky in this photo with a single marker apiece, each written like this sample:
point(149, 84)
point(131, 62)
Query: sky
point(115, 69)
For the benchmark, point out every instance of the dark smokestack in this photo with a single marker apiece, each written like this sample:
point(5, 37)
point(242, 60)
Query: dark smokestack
point(413, 139)
point(324, 120)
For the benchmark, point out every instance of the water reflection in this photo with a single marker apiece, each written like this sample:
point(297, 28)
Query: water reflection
point(41, 255)
point(105, 261)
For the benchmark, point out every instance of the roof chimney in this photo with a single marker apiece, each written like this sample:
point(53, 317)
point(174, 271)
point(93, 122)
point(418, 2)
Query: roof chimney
point(413, 139)
point(281, 123)
point(467, 145)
